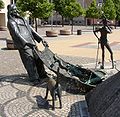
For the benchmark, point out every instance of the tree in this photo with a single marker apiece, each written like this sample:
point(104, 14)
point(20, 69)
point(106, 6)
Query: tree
point(92, 11)
point(2, 5)
point(117, 9)
point(73, 9)
point(109, 9)
point(60, 7)
point(37, 8)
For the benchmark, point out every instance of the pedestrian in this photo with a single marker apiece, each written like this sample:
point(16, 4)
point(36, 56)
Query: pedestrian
point(104, 42)
point(24, 38)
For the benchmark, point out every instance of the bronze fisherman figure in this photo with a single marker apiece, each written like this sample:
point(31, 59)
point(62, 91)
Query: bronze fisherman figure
point(24, 38)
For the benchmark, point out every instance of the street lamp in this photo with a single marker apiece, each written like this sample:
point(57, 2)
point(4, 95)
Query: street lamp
point(52, 17)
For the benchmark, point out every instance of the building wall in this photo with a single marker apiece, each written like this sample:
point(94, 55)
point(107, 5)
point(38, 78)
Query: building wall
point(3, 14)
point(85, 3)
point(2, 19)
point(57, 19)
point(79, 20)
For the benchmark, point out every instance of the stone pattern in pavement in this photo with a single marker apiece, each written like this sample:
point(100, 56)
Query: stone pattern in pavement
point(19, 98)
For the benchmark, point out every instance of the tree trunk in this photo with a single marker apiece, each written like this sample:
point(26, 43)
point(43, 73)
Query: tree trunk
point(115, 23)
point(36, 24)
point(72, 27)
point(56, 19)
point(93, 25)
point(85, 21)
point(62, 21)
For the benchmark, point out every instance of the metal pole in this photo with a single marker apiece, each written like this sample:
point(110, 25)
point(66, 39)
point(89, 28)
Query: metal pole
point(52, 17)
point(97, 56)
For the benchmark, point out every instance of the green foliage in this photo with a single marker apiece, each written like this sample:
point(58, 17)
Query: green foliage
point(109, 9)
point(68, 8)
point(45, 10)
point(59, 6)
point(2, 5)
point(92, 11)
point(37, 8)
point(73, 9)
point(117, 8)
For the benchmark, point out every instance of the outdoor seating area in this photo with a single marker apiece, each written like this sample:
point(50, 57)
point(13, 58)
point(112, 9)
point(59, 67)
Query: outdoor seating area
point(65, 32)
point(55, 33)
point(51, 33)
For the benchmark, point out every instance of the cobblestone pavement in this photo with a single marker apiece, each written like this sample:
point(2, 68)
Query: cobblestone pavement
point(19, 98)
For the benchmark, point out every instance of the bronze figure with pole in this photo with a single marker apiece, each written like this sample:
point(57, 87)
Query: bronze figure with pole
point(103, 41)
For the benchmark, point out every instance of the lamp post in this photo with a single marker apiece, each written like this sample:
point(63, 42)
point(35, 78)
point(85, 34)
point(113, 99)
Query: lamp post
point(52, 17)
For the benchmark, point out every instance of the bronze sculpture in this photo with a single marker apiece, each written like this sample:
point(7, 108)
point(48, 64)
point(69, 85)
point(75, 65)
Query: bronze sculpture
point(55, 89)
point(104, 42)
point(24, 39)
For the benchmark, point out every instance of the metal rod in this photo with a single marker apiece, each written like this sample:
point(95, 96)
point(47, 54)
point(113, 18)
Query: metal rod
point(52, 17)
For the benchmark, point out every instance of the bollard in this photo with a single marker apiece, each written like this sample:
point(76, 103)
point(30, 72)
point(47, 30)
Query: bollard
point(79, 32)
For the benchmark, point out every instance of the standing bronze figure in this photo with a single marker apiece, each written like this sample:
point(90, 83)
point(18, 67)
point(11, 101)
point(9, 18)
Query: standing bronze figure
point(104, 42)
point(24, 38)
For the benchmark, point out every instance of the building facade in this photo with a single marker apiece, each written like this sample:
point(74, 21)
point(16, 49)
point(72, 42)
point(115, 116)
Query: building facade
point(3, 14)
point(56, 18)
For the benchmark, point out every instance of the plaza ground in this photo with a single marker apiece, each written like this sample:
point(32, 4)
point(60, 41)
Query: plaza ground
point(19, 98)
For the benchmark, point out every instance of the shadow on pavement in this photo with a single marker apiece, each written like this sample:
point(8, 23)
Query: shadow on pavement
point(41, 103)
point(18, 79)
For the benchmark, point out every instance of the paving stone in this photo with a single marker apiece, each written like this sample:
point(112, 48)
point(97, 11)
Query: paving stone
point(18, 107)
point(7, 93)
point(19, 98)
